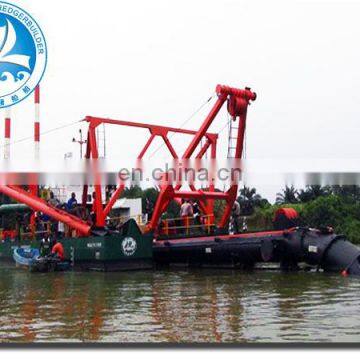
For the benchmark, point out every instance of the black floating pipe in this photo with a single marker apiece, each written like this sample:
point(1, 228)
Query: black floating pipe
point(320, 248)
point(324, 249)
point(343, 252)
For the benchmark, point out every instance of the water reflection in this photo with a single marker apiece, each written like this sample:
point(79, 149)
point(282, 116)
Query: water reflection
point(178, 306)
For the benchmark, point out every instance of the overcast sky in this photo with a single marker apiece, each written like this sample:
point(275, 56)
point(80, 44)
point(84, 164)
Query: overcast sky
point(158, 61)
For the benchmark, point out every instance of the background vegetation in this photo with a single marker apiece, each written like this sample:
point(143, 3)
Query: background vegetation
point(335, 206)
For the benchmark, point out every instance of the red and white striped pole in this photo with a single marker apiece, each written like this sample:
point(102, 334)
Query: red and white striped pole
point(34, 187)
point(37, 122)
point(7, 133)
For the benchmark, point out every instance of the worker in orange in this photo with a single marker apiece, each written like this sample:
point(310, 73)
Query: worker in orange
point(58, 251)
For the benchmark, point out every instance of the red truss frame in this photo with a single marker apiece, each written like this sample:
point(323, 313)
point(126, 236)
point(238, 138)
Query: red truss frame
point(238, 101)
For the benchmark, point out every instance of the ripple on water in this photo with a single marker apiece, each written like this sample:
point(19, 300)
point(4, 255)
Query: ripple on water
point(178, 306)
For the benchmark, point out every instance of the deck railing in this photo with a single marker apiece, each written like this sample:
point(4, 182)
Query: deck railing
point(203, 223)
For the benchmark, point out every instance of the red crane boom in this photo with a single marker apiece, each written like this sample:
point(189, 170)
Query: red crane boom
point(39, 204)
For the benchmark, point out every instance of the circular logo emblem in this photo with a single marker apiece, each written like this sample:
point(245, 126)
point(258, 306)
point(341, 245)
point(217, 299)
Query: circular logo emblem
point(129, 246)
point(23, 54)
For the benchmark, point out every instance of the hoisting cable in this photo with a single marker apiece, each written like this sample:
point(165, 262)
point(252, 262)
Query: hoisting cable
point(41, 134)
point(185, 122)
point(227, 124)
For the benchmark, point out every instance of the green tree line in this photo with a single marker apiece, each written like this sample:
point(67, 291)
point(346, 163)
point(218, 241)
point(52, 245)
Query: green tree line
point(318, 206)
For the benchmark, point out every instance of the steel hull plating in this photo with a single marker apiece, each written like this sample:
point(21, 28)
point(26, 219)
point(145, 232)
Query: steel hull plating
point(325, 251)
point(127, 250)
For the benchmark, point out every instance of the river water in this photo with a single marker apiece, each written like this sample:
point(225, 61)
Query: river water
point(178, 306)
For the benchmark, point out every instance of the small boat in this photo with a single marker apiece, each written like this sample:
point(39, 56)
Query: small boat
point(31, 259)
point(25, 256)
point(49, 264)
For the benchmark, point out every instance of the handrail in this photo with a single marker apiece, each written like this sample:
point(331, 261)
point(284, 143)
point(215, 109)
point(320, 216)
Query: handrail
point(187, 219)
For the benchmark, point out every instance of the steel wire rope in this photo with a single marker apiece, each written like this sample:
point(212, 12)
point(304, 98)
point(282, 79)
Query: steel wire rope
point(41, 134)
point(185, 122)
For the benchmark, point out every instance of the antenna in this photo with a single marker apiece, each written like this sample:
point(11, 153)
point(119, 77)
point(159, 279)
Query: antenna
point(81, 142)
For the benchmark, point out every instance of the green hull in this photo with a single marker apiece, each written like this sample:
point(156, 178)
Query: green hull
point(129, 250)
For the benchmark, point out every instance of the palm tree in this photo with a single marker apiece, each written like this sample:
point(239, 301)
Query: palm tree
point(351, 192)
point(287, 196)
point(249, 199)
point(312, 192)
point(132, 192)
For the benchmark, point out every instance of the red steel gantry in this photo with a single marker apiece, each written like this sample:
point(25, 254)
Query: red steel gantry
point(237, 104)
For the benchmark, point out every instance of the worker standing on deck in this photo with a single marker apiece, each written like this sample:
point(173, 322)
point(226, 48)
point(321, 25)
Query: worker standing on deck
point(149, 209)
point(196, 212)
point(186, 211)
point(235, 217)
point(72, 202)
point(93, 209)
point(53, 201)
point(72, 206)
